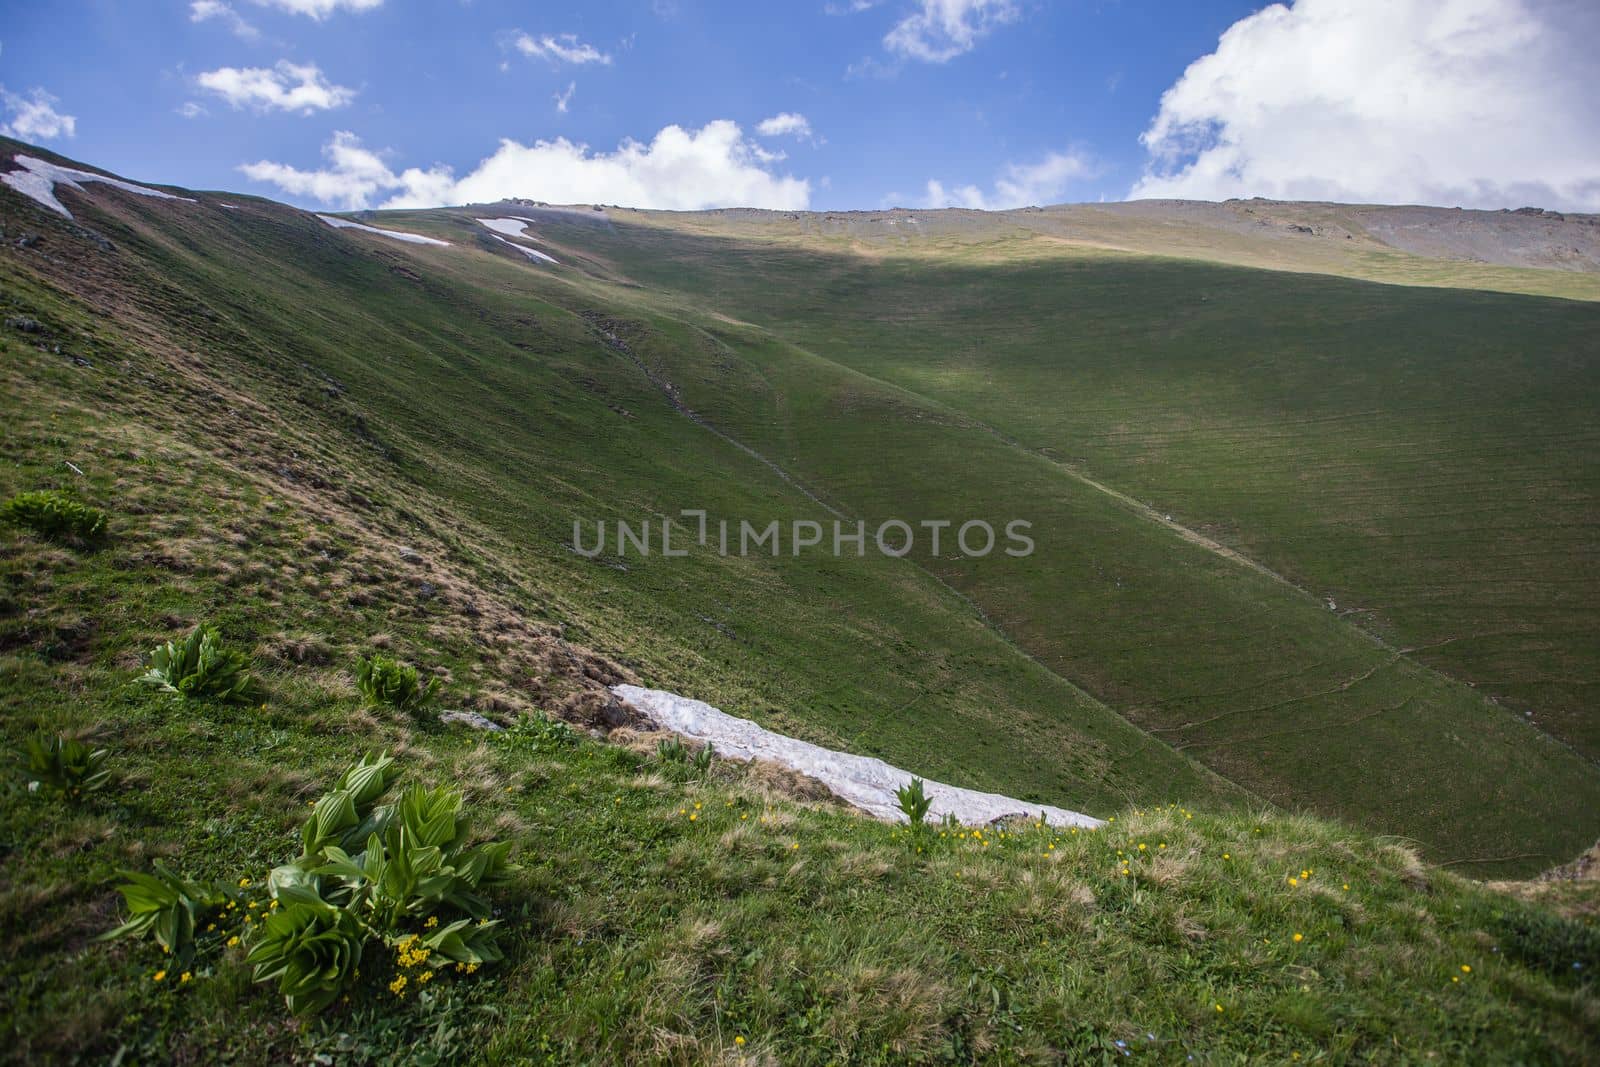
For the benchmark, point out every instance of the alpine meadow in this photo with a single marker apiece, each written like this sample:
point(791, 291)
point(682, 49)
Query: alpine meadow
point(443, 622)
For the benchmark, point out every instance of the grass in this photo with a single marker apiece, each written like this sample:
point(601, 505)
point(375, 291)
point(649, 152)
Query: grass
point(284, 454)
point(1415, 464)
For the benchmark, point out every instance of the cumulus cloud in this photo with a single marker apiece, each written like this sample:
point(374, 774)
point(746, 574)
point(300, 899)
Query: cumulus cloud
point(205, 10)
point(1478, 103)
point(559, 48)
point(353, 176)
point(785, 124)
point(940, 30)
point(683, 170)
point(320, 9)
point(1019, 185)
point(284, 87)
point(34, 117)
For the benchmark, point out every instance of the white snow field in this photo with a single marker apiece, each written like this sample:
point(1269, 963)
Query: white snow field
point(863, 781)
point(37, 180)
point(515, 226)
point(531, 253)
point(398, 235)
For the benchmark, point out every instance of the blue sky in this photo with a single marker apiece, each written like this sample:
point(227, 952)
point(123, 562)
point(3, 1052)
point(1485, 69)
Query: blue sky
point(982, 103)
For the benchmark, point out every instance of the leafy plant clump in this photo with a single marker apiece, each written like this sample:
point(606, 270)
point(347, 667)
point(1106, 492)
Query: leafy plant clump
point(388, 682)
point(55, 515)
point(66, 767)
point(168, 907)
point(703, 759)
point(538, 731)
point(200, 668)
point(401, 875)
point(914, 801)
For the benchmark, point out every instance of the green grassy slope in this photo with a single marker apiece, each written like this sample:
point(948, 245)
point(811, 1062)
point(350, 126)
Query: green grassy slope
point(1423, 457)
point(327, 443)
point(383, 347)
point(760, 930)
point(454, 372)
point(993, 387)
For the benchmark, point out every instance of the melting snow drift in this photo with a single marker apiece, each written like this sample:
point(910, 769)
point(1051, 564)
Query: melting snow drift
point(37, 180)
point(398, 235)
point(531, 253)
point(865, 782)
point(515, 227)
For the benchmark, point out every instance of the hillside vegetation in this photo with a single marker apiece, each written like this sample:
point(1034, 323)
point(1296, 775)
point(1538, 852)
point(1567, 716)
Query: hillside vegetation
point(329, 444)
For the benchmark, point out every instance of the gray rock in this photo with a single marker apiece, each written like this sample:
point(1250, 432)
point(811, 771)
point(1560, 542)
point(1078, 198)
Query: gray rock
point(472, 719)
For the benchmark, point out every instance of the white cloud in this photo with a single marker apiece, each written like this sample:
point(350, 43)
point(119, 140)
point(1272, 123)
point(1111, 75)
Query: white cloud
point(1019, 185)
point(1485, 103)
point(564, 100)
point(189, 109)
point(353, 177)
point(285, 87)
point(34, 117)
point(943, 29)
point(785, 124)
point(320, 9)
point(203, 10)
point(559, 48)
point(682, 170)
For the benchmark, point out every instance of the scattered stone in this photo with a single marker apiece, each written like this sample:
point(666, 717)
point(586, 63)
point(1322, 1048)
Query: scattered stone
point(472, 719)
point(24, 324)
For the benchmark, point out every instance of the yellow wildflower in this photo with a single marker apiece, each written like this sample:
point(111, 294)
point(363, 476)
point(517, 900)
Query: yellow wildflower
point(158, 976)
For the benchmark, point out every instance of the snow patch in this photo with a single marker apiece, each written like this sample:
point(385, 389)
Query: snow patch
point(867, 783)
point(38, 180)
point(398, 235)
point(531, 253)
point(515, 226)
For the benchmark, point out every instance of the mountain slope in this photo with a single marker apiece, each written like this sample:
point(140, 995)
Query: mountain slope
point(966, 379)
point(327, 442)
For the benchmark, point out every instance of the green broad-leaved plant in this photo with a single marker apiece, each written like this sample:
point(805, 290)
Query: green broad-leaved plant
point(310, 948)
point(914, 801)
point(65, 767)
point(200, 668)
point(166, 906)
point(419, 863)
point(387, 682)
point(404, 872)
point(56, 516)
